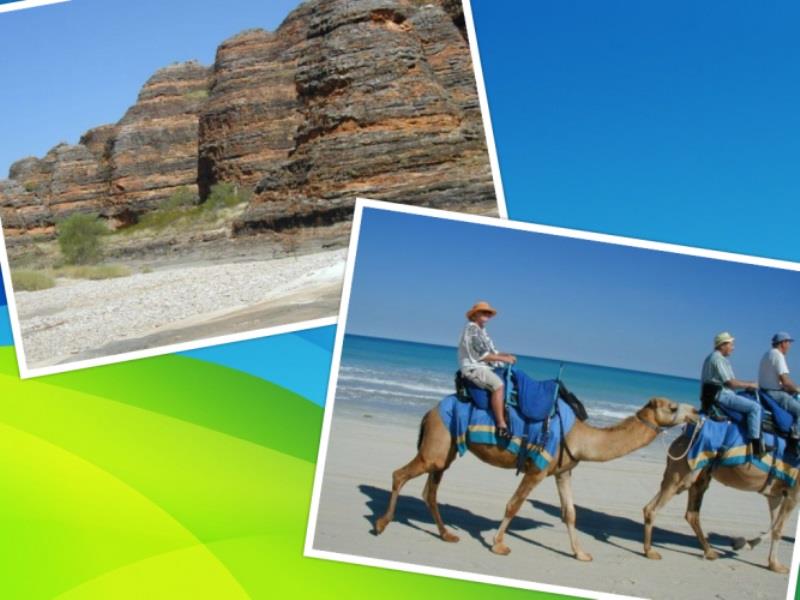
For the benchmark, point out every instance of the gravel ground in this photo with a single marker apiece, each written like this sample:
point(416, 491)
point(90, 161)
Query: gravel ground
point(77, 316)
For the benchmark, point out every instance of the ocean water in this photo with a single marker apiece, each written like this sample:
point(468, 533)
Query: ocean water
point(401, 380)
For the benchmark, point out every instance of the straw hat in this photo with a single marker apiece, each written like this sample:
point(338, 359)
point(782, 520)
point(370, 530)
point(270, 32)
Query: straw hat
point(480, 307)
point(723, 338)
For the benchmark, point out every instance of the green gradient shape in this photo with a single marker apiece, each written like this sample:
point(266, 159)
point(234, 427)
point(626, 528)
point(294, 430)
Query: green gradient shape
point(215, 396)
point(105, 499)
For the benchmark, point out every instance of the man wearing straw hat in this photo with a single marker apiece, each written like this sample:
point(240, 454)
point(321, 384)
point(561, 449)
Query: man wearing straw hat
point(477, 356)
point(717, 370)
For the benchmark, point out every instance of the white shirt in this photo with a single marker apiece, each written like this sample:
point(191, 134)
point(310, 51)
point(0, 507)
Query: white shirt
point(474, 345)
point(772, 365)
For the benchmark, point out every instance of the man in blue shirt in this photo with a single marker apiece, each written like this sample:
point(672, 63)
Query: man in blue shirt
point(717, 370)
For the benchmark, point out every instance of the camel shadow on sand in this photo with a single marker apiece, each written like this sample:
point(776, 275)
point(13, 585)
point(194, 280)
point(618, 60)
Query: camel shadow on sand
point(411, 511)
point(603, 527)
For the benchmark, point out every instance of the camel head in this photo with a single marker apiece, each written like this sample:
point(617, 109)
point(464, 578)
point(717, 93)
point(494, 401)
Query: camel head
point(666, 413)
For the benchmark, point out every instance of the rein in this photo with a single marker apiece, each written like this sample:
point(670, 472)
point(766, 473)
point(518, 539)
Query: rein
point(697, 428)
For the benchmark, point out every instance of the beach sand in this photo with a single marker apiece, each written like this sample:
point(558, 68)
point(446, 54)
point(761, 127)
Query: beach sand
point(364, 450)
point(81, 319)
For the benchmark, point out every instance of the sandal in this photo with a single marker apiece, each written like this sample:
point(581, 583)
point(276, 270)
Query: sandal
point(504, 434)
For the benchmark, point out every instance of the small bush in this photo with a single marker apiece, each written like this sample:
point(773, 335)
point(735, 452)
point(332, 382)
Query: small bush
point(225, 194)
point(93, 271)
point(30, 281)
point(196, 95)
point(79, 238)
point(183, 197)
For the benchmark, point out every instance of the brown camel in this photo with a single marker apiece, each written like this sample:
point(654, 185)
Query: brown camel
point(437, 449)
point(679, 477)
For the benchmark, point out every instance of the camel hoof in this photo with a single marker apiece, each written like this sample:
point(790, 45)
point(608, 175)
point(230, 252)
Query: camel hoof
point(583, 556)
point(450, 537)
point(753, 543)
point(652, 554)
point(711, 555)
point(777, 567)
point(380, 525)
point(501, 549)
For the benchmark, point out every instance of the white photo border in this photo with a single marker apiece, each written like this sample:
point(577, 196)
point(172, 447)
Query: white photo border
point(26, 373)
point(352, 257)
point(23, 4)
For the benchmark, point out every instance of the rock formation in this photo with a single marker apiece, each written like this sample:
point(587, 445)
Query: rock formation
point(369, 98)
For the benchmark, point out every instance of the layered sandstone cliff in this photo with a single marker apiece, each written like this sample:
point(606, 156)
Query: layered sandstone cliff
point(374, 98)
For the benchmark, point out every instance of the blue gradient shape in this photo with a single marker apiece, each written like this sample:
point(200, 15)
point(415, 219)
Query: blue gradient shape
point(674, 121)
point(6, 338)
point(290, 360)
point(321, 336)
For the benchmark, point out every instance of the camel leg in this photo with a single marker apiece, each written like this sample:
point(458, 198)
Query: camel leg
point(429, 495)
point(564, 485)
point(677, 477)
point(779, 520)
point(435, 448)
point(530, 480)
point(696, 493)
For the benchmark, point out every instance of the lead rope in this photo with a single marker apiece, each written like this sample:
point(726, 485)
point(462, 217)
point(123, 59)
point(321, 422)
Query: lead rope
point(697, 429)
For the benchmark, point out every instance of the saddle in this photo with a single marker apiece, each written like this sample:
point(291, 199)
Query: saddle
point(774, 418)
point(534, 400)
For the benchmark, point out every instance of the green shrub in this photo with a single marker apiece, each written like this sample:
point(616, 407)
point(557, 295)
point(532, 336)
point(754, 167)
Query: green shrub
point(79, 238)
point(181, 198)
point(225, 194)
point(30, 281)
point(196, 95)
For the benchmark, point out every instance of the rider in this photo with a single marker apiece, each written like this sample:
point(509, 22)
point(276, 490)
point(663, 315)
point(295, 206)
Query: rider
point(773, 375)
point(717, 370)
point(477, 356)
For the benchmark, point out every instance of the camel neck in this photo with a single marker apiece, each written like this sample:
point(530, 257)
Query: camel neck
point(607, 443)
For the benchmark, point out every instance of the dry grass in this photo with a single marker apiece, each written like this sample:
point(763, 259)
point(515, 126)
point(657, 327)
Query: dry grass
point(92, 271)
point(31, 281)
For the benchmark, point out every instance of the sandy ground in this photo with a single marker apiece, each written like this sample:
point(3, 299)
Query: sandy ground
point(81, 319)
point(609, 499)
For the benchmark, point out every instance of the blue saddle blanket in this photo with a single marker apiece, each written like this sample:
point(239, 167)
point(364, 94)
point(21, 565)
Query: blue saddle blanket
point(724, 443)
point(468, 423)
point(535, 399)
point(782, 418)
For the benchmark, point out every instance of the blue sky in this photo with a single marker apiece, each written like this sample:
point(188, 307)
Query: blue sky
point(563, 298)
point(675, 121)
point(69, 67)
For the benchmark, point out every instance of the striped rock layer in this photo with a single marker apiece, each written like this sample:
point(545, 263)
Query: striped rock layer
point(372, 98)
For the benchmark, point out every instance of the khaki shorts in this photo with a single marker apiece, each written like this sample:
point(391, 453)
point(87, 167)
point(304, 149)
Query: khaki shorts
point(483, 377)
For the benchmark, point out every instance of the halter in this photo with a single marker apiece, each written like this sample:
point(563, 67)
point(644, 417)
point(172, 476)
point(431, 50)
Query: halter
point(649, 425)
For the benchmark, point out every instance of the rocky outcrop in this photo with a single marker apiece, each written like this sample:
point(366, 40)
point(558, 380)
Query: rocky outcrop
point(361, 98)
point(389, 106)
point(154, 149)
point(253, 112)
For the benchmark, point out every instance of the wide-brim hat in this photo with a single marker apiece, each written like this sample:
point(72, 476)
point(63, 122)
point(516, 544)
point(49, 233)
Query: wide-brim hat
point(723, 338)
point(480, 307)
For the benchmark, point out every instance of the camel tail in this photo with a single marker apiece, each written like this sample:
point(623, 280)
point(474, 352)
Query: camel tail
point(422, 430)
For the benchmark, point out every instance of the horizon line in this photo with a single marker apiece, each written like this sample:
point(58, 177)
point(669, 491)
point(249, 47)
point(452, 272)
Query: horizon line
point(574, 362)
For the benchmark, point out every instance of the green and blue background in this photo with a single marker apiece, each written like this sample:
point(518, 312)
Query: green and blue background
point(190, 476)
